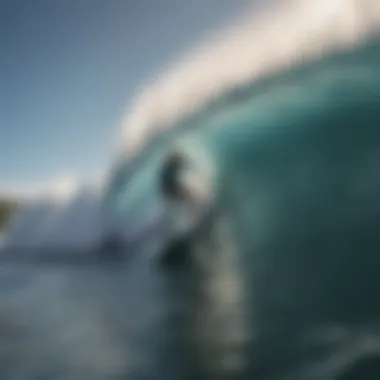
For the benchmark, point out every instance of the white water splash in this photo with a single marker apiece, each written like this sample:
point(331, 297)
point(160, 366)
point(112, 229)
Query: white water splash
point(260, 44)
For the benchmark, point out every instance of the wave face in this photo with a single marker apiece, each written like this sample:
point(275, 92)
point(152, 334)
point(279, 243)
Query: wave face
point(279, 274)
point(227, 67)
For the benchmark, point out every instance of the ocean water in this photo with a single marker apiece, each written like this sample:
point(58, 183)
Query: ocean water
point(91, 319)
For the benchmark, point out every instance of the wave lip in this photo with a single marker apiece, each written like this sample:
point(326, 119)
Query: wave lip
point(260, 44)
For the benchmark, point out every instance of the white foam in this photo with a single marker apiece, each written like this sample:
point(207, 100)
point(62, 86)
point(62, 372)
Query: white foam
point(64, 213)
point(23, 228)
point(78, 224)
point(259, 45)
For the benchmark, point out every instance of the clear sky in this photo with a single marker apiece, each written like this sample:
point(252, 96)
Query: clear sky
point(69, 67)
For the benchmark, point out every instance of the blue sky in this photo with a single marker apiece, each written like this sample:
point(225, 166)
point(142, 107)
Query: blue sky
point(69, 67)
